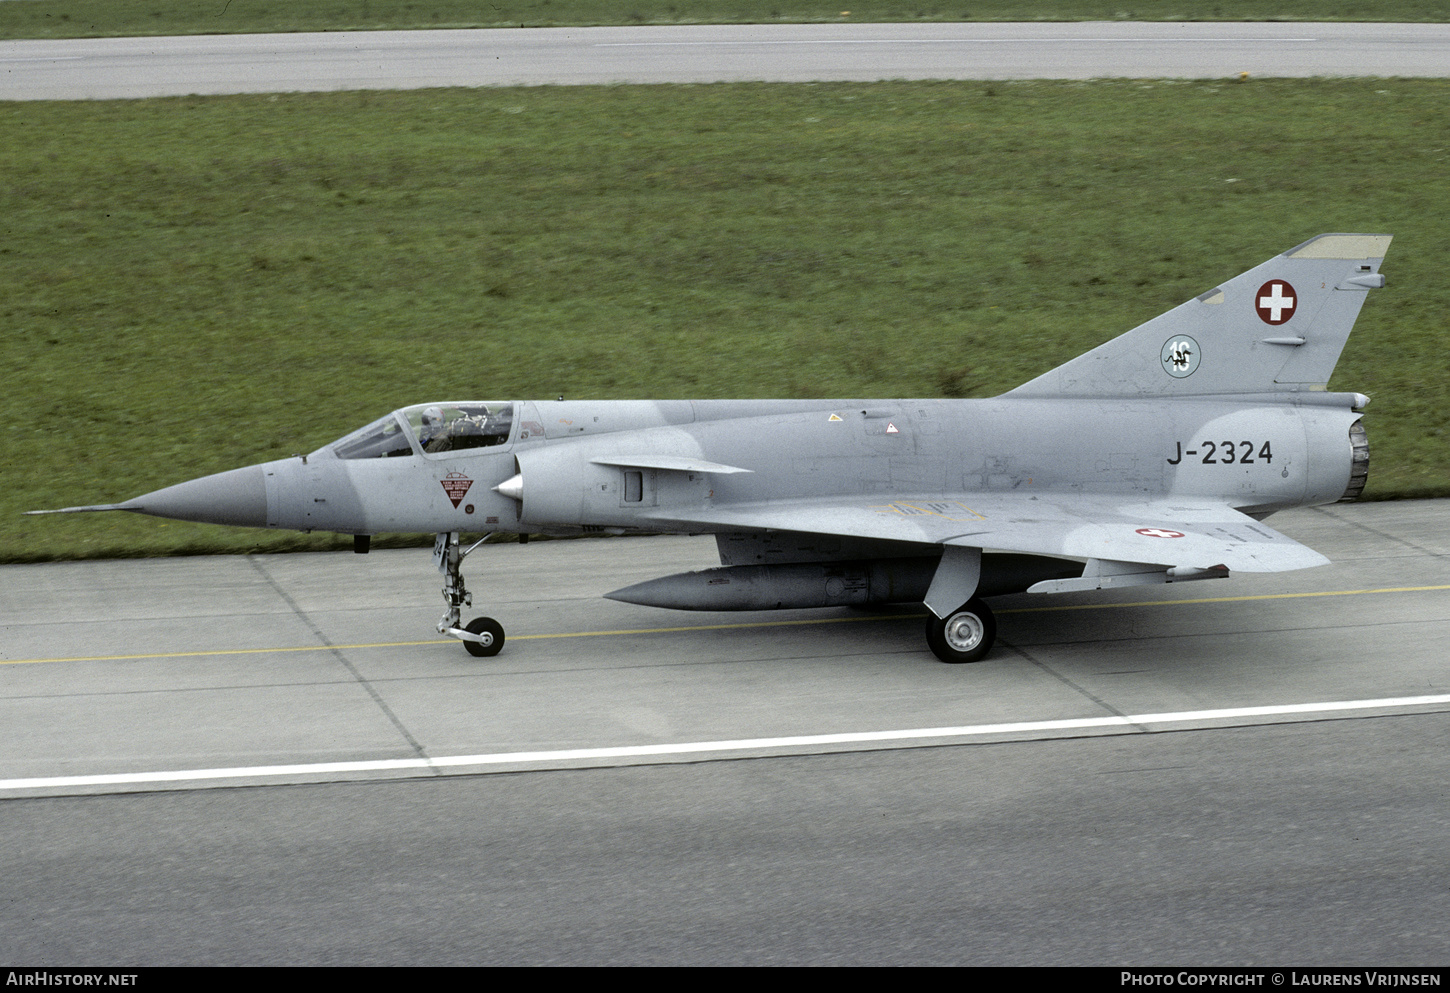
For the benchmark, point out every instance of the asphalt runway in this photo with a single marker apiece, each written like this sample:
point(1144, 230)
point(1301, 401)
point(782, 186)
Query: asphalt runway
point(1133, 776)
point(143, 67)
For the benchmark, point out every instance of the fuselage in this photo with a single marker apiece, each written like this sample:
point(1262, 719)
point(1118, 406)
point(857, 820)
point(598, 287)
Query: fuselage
point(594, 464)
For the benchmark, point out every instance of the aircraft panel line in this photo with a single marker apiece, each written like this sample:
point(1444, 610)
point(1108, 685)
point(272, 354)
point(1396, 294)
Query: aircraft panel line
point(743, 625)
point(1135, 723)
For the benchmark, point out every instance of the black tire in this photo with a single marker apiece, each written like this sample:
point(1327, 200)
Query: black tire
point(484, 625)
point(965, 635)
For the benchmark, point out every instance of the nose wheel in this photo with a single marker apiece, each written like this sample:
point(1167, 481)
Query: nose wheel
point(482, 636)
point(489, 633)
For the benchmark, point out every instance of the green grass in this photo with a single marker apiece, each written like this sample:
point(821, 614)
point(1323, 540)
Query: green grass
point(76, 18)
point(189, 285)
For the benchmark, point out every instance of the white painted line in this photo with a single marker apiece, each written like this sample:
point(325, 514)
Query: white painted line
point(567, 755)
point(235, 772)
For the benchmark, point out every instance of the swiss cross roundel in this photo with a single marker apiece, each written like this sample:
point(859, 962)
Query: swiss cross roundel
point(1276, 302)
point(1160, 533)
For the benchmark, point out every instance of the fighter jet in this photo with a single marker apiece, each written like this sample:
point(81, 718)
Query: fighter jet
point(1154, 458)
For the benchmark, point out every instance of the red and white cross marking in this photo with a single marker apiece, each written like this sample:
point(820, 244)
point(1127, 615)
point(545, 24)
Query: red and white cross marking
point(1275, 302)
point(1159, 533)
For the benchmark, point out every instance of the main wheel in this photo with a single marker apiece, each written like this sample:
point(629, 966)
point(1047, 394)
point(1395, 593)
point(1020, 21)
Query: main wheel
point(490, 629)
point(965, 635)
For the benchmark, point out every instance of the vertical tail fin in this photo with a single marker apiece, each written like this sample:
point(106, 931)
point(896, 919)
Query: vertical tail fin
point(1277, 328)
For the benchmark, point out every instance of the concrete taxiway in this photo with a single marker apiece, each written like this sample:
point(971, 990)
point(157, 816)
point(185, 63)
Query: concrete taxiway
point(1249, 821)
point(322, 667)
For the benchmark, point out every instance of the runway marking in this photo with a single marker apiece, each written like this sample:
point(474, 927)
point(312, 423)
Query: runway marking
point(716, 627)
point(565, 756)
point(444, 641)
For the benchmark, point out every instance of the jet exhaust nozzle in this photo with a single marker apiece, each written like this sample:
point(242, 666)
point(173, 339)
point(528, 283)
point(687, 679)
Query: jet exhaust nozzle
point(1358, 462)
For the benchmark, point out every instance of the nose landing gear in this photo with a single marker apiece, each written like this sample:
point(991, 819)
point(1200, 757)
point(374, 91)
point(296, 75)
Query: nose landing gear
point(482, 636)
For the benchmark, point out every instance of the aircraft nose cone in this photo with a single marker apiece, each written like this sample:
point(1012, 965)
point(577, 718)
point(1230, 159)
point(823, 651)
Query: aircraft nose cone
point(237, 496)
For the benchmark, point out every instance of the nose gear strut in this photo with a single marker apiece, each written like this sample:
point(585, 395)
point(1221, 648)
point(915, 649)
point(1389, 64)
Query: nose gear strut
point(482, 636)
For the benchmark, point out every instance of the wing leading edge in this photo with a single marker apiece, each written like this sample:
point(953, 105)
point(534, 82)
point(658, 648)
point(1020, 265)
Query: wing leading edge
point(1183, 534)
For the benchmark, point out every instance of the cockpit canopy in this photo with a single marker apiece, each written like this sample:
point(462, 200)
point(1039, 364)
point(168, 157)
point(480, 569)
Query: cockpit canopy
point(432, 429)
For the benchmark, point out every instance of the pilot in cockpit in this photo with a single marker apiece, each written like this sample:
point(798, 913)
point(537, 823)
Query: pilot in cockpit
point(433, 433)
point(458, 428)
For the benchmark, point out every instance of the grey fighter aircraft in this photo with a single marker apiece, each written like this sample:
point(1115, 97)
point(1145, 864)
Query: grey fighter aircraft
point(1153, 458)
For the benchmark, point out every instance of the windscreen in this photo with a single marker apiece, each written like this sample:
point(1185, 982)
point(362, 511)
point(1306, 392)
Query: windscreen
point(382, 439)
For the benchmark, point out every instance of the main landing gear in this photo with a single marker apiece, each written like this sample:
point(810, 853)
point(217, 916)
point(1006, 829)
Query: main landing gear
point(964, 635)
point(482, 636)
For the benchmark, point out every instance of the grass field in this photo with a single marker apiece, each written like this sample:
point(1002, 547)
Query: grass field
point(190, 285)
point(76, 18)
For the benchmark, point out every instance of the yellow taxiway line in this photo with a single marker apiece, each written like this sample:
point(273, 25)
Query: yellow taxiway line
point(724, 627)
